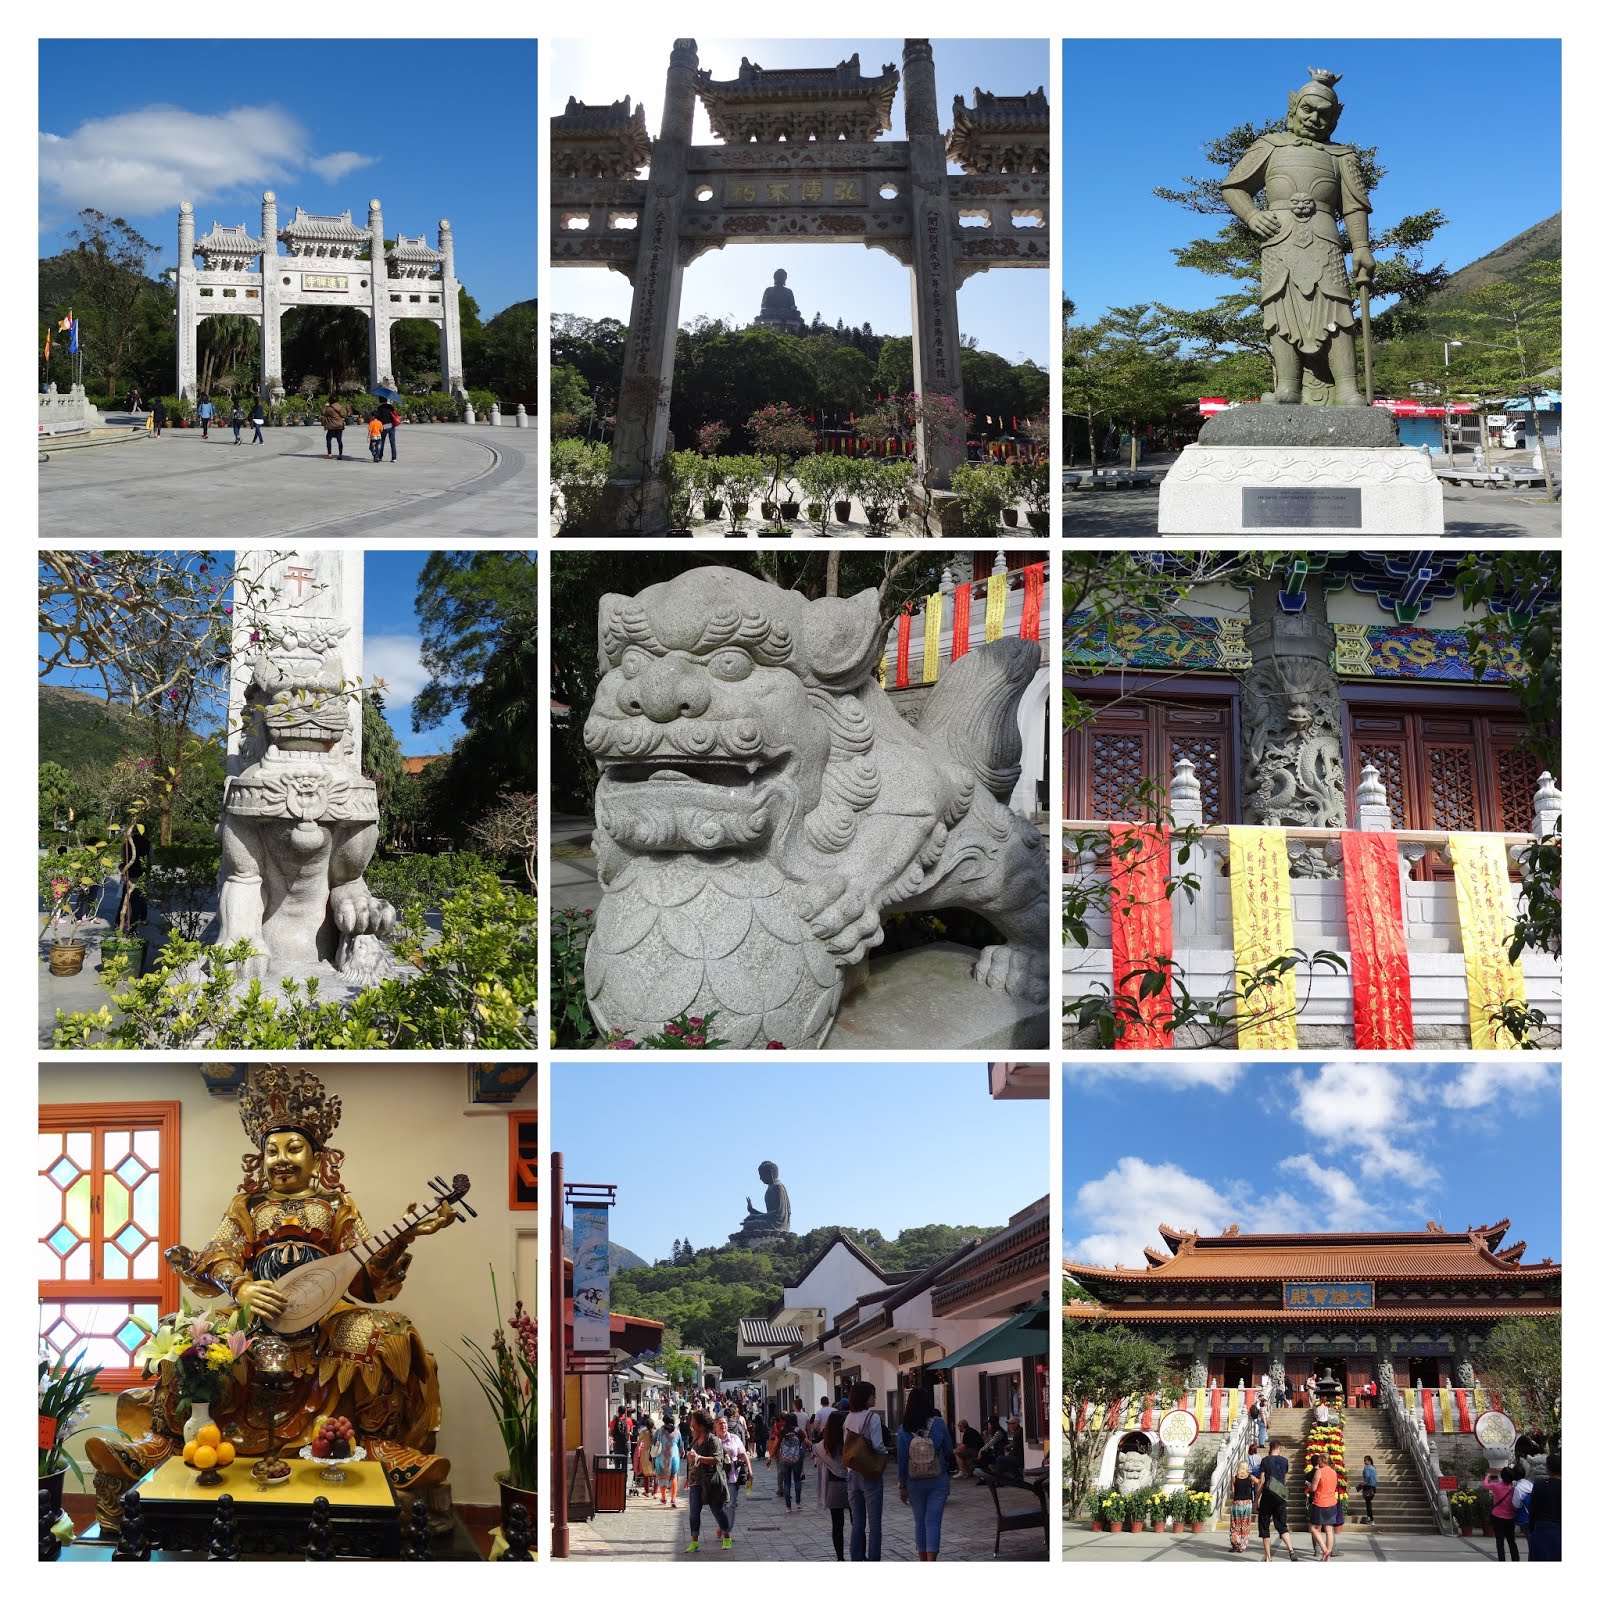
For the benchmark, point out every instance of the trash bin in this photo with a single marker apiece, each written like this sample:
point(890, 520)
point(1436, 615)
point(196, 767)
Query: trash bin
point(610, 1483)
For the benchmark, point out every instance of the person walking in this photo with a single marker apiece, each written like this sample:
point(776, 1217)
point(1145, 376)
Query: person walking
point(791, 1453)
point(924, 1451)
point(758, 1436)
point(828, 1453)
point(865, 1456)
point(332, 429)
point(1324, 1501)
point(236, 421)
point(390, 420)
point(1241, 1508)
point(258, 416)
point(738, 1464)
point(1369, 1485)
point(136, 403)
point(708, 1483)
point(158, 415)
point(1544, 1513)
point(644, 1455)
point(1272, 1503)
point(1502, 1512)
point(667, 1460)
point(375, 438)
point(207, 412)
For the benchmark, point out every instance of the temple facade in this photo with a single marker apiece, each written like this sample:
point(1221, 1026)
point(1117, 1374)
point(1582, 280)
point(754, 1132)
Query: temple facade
point(1339, 692)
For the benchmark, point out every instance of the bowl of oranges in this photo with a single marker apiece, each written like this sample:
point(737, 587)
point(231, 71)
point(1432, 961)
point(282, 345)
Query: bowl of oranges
point(206, 1453)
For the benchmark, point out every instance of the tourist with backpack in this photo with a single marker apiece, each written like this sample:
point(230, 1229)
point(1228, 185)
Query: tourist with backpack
point(923, 1453)
point(791, 1459)
point(866, 1455)
point(828, 1453)
point(667, 1460)
point(708, 1483)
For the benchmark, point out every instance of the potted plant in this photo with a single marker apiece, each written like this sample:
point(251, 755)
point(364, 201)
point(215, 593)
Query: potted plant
point(1156, 1509)
point(1114, 1510)
point(1199, 1510)
point(781, 435)
point(1030, 483)
point(712, 474)
point(64, 1391)
point(849, 474)
point(878, 488)
point(1138, 1504)
point(70, 881)
point(1464, 1508)
point(507, 1375)
point(982, 492)
point(746, 475)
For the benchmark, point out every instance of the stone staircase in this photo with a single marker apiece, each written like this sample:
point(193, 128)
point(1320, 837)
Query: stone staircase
point(1400, 1506)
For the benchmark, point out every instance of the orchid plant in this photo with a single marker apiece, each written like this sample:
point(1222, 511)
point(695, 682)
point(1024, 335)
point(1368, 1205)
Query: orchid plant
point(200, 1345)
point(64, 1391)
point(507, 1374)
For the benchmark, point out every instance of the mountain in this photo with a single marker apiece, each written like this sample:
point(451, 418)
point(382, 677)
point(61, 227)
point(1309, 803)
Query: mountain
point(80, 730)
point(1504, 264)
point(622, 1258)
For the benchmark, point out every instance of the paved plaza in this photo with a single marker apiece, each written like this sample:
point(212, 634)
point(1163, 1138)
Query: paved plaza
point(1079, 1544)
point(763, 1531)
point(450, 480)
point(1468, 513)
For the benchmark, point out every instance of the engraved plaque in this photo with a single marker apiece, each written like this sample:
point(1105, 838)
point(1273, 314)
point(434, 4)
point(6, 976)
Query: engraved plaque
point(324, 280)
point(1302, 508)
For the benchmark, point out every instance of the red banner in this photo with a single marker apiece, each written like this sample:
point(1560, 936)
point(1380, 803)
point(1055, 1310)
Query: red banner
point(902, 653)
point(1380, 969)
point(961, 623)
point(1141, 928)
point(1032, 596)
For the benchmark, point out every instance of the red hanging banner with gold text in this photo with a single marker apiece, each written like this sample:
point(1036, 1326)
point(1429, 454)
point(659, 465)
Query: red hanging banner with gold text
point(902, 653)
point(1380, 968)
point(1141, 930)
point(961, 626)
point(1032, 595)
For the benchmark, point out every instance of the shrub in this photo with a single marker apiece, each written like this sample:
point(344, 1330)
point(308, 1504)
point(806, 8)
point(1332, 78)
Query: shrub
point(578, 472)
point(481, 400)
point(982, 492)
point(427, 881)
point(570, 1022)
point(821, 479)
point(179, 884)
point(880, 486)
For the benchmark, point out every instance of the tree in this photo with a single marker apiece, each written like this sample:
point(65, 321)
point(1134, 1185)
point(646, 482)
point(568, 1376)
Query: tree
point(511, 831)
point(1521, 1360)
point(112, 255)
point(510, 359)
point(1103, 1368)
point(55, 792)
point(383, 762)
point(1233, 321)
point(570, 396)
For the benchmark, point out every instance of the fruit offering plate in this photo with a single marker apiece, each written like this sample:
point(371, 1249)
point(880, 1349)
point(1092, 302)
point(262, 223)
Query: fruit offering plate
point(333, 1467)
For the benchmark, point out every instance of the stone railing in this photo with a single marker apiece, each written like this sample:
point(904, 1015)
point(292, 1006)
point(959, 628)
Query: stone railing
point(1229, 1454)
point(66, 413)
point(1413, 1439)
point(1202, 921)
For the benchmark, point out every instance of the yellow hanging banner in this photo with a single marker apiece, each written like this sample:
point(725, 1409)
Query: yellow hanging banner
point(1263, 930)
point(883, 671)
point(1483, 899)
point(932, 618)
point(994, 618)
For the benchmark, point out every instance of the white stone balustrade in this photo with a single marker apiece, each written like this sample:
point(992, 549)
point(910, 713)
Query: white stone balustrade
point(1202, 924)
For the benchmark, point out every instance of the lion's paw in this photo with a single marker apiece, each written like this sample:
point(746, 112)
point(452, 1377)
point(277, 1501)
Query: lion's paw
point(1019, 973)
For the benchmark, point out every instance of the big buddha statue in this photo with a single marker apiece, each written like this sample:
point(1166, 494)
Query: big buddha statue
point(354, 1361)
point(778, 309)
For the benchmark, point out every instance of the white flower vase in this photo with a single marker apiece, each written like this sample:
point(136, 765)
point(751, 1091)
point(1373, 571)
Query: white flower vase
point(199, 1416)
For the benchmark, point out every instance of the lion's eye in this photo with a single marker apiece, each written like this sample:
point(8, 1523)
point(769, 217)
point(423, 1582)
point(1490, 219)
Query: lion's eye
point(731, 665)
point(634, 661)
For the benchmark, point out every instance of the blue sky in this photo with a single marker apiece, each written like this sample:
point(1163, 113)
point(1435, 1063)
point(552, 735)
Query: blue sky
point(432, 128)
point(1353, 1145)
point(1007, 312)
point(1471, 127)
point(928, 1144)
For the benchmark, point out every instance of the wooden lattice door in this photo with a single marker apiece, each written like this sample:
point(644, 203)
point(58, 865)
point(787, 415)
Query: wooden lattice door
point(1136, 742)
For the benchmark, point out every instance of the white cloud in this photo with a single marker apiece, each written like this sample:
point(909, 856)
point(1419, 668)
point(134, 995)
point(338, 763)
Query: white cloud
point(333, 167)
point(1121, 1209)
point(1371, 1109)
point(1503, 1085)
point(1347, 1206)
point(137, 163)
point(1170, 1072)
point(396, 658)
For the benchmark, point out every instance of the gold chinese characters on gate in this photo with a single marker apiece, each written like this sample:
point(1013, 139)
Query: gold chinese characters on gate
point(791, 191)
point(323, 280)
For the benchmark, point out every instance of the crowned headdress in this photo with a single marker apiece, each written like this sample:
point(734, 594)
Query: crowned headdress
point(274, 1098)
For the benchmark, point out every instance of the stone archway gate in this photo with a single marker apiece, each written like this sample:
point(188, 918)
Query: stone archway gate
point(330, 262)
point(800, 158)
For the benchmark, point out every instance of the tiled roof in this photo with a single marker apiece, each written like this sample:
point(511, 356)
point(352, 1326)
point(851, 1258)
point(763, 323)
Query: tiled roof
point(1026, 1264)
point(340, 229)
point(762, 1331)
point(1396, 1311)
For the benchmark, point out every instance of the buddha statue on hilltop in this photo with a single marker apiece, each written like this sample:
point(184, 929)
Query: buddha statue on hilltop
point(356, 1362)
point(778, 310)
point(773, 1219)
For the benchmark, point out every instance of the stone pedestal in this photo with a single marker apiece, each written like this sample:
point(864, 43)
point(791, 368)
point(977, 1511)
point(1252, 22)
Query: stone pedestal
point(1273, 470)
point(927, 998)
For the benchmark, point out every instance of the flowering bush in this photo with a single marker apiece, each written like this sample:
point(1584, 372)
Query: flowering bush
point(70, 880)
point(508, 1375)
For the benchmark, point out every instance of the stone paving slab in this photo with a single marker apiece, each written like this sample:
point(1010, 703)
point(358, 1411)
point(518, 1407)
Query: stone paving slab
point(763, 1531)
point(450, 480)
point(1079, 1544)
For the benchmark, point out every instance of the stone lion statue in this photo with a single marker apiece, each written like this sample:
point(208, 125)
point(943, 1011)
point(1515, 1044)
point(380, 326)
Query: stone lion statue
point(761, 806)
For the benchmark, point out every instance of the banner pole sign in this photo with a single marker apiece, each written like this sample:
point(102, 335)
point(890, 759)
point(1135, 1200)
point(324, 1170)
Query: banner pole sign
point(591, 1279)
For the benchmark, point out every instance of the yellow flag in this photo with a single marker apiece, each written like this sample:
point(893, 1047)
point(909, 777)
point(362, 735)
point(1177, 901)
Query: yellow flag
point(883, 671)
point(1263, 930)
point(932, 617)
point(994, 617)
point(1483, 895)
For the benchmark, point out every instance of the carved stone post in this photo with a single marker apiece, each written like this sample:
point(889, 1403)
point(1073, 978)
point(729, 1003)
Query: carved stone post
point(271, 336)
point(450, 373)
point(935, 335)
point(635, 498)
point(379, 365)
point(188, 365)
point(1190, 917)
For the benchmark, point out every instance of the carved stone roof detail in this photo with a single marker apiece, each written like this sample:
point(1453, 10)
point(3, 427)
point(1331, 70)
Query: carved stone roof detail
point(799, 104)
point(1000, 132)
point(599, 142)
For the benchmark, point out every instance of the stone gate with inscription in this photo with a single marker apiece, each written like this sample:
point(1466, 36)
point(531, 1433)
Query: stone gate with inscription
point(800, 158)
point(329, 262)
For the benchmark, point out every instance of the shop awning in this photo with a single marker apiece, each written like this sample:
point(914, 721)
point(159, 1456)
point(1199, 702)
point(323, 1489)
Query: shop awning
point(1025, 1334)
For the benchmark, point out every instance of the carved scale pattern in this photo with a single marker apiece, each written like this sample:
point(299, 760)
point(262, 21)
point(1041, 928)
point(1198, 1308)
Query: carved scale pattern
point(1118, 768)
point(1391, 768)
point(1450, 788)
point(1206, 754)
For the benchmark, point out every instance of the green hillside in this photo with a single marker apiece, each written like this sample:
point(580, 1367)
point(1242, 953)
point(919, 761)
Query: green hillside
point(1508, 263)
point(702, 1298)
point(80, 730)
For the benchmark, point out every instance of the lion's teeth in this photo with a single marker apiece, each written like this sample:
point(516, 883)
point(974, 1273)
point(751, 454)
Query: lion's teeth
point(752, 767)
